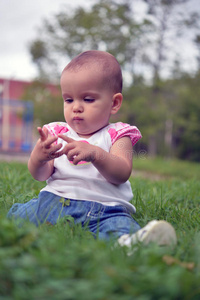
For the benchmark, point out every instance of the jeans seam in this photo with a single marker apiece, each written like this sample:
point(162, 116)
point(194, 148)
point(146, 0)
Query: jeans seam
point(91, 208)
point(98, 214)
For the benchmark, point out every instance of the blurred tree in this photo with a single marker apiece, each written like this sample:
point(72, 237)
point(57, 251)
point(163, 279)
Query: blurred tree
point(142, 43)
point(187, 131)
point(39, 51)
point(180, 105)
point(197, 42)
point(108, 25)
point(169, 21)
point(48, 106)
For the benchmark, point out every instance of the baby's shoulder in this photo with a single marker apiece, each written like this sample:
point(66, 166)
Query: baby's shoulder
point(119, 130)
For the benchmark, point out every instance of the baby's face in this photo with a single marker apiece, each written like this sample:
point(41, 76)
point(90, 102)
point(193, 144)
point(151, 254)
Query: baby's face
point(87, 104)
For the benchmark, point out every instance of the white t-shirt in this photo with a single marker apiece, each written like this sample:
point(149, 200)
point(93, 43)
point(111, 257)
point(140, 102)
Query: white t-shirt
point(83, 181)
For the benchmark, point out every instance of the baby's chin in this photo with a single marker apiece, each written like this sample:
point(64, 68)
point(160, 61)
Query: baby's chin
point(86, 134)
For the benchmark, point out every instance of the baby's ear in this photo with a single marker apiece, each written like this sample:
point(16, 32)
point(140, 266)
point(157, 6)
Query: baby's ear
point(116, 103)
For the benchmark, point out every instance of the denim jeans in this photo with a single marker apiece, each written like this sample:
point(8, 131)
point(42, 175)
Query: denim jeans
point(103, 221)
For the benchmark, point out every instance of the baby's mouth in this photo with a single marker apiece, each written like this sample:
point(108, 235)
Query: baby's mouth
point(77, 119)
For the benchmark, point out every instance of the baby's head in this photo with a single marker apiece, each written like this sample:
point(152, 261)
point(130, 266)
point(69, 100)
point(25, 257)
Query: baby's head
point(91, 87)
point(100, 61)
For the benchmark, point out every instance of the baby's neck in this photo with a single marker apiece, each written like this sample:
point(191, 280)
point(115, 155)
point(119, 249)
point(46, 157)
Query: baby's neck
point(87, 136)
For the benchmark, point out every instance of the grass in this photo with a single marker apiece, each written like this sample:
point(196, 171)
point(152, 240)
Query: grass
point(65, 262)
point(168, 168)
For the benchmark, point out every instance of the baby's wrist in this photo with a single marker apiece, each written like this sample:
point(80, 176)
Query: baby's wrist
point(98, 154)
point(35, 160)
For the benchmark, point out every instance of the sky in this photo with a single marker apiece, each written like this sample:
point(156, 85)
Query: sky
point(19, 21)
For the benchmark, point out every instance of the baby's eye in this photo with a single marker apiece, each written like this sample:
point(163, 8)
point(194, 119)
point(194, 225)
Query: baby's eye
point(68, 100)
point(90, 100)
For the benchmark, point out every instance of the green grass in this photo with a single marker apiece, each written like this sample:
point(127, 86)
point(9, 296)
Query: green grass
point(168, 168)
point(65, 262)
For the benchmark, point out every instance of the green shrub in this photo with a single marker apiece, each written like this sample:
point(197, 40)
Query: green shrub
point(65, 262)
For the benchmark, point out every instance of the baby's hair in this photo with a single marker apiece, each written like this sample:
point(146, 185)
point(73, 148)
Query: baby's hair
point(112, 75)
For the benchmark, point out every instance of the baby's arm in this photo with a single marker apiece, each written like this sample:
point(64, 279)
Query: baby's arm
point(40, 163)
point(115, 166)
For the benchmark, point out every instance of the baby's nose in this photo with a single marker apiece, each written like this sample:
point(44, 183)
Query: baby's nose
point(77, 106)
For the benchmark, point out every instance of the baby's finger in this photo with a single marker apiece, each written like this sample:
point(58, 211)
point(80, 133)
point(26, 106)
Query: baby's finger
point(49, 141)
point(54, 153)
point(71, 154)
point(56, 147)
point(42, 133)
point(45, 130)
point(76, 159)
point(67, 148)
point(66, 138)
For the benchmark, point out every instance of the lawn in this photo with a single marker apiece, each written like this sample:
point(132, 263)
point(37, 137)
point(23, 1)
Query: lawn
point(65, 262)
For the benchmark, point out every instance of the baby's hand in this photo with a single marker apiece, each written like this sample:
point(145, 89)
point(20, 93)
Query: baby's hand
point(77, 151)
point(46, 149)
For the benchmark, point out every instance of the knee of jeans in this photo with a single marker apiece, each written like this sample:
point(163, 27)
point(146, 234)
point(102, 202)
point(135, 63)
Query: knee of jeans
point(122, 225)
point(13, 210)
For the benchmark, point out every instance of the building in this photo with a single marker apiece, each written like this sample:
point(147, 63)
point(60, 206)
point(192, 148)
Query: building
point(16, 116)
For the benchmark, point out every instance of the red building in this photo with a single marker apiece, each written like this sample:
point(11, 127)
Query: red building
point(14, 89)
point(16, 116)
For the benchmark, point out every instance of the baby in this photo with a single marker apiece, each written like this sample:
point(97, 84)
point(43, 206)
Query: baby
point(87, 161)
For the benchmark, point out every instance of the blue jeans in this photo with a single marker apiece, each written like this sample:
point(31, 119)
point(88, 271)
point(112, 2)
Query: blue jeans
point(103, 221)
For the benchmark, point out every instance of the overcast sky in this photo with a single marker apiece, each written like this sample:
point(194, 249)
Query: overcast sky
point(19, 20)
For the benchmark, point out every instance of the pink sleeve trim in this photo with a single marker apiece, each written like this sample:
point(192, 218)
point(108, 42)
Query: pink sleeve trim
point(120, 130)
point(55, 128)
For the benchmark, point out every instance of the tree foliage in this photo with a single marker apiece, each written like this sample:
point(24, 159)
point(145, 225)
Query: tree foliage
point(48, 106)
point(145, 42)
point(108, 26)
